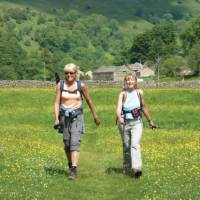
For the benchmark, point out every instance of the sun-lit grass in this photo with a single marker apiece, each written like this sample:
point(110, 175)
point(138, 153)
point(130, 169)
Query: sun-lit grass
point(33, 165)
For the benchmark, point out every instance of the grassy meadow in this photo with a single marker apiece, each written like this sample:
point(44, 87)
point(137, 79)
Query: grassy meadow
point(33, 164)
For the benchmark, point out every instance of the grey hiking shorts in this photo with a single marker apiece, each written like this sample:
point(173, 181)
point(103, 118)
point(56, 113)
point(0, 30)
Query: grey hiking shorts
point(72, 132)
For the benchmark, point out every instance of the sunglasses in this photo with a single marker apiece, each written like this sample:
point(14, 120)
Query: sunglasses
point(71, 73)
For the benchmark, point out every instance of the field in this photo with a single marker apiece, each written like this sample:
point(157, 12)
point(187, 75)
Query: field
point(33, 165)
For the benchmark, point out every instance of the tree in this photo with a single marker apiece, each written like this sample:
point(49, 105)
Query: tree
point(72, 15)
point(18, 14)
point(140, 48)
point(160, 41)
point(194, 59)
point(51, 37)
point(7, 72)
point(190, 35)
point(11, 54)
point(172, 66)
point(31, 68)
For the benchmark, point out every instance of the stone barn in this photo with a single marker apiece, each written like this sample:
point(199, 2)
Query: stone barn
point(110, 73)
point(117, 73)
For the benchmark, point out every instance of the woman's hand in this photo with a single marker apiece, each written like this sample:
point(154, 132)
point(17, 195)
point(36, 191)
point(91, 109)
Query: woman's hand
point(151, 124)
point(97, 120)
point(121, 120)
point(57, 122)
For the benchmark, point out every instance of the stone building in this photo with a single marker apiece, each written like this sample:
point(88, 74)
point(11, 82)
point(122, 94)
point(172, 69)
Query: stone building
point(117, 73)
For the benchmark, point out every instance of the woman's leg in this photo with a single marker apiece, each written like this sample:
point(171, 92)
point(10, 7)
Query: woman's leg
point(125, 135)
point(68, 155)
point(75, 142)
point(75, 158)
point(136, 134)
point(66, 140)
point(121, 128)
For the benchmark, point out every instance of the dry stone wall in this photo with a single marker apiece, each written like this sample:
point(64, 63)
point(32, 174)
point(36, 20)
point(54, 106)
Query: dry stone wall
point(145, 84)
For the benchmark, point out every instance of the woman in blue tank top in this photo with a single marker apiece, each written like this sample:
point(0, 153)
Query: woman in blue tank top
point(129, 115)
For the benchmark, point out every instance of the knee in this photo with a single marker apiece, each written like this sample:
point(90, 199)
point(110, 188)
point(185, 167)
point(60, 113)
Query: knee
point(75, 145)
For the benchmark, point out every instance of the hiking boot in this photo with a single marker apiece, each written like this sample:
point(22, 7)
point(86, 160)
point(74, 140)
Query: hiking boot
point(73, 174)
point(138, 174)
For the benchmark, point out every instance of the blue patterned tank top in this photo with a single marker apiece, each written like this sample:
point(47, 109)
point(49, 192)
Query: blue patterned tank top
point(131, 101)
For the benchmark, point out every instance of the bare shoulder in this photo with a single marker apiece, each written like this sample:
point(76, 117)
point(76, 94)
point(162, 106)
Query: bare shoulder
point(83, 86)
point(140, 91)
point(122, 92)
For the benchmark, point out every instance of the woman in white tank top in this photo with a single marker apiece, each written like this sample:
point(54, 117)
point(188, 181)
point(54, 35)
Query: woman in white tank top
point(129, 109)
point(69, 114)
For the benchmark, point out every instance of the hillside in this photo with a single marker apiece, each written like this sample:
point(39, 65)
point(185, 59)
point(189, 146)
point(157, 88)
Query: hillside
point(122, 10)
point(39, 37)
point(134, 16)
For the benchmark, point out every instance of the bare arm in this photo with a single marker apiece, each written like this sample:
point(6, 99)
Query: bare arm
point(90, 103)
point(145, 109)
point(57, 103)
point(119, 108)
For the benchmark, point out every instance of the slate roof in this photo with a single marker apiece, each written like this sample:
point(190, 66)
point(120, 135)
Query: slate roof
point(105, 69)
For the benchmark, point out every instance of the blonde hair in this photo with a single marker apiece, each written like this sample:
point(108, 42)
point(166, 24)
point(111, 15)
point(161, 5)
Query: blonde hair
point(72, 67)
point(129, 76)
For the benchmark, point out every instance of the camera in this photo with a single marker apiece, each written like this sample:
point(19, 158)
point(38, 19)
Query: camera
point(57, 126)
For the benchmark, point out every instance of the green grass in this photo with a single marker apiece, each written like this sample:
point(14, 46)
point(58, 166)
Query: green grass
point(33, 165)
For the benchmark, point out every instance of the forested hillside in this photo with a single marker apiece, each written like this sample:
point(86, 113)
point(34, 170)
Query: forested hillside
point(38, 37)
point(122, 10)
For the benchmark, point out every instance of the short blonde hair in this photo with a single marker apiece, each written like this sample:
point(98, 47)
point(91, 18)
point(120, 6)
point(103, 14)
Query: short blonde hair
point(133, 76)
point(72, 67)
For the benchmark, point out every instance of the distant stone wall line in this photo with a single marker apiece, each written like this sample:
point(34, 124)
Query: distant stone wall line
point(114, 84)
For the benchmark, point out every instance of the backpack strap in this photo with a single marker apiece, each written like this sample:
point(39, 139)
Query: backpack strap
point(61, 88)
point(62, 85)
point(79, 88)
point(140, 98)
point(124, 98)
